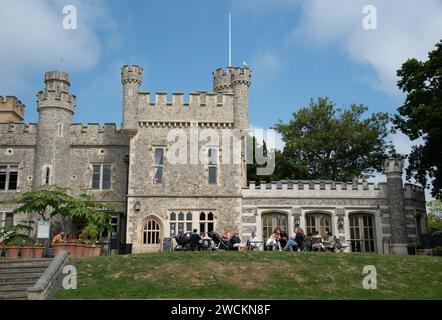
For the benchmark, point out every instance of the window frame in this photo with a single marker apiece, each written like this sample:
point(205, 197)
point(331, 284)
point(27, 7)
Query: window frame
point(212, 165)
point(101, 176)
point(160, 165)
point(7, 175)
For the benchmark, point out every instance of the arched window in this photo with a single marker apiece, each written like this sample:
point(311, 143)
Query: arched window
point(173, 216)
point(318, 222)
point(271, 221)
point(202, 216)
point(181, 216)
point(189, 216)
point(362, 232)
point(210, 216)
point(151, 232)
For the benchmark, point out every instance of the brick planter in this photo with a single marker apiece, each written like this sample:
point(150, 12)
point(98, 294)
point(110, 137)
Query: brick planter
point(57, 247)
point(78, 250)
point(97, 251)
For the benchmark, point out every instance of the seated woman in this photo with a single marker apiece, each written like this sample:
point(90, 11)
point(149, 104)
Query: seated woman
point(235, 242)
point(299, 236)
point(195, 239)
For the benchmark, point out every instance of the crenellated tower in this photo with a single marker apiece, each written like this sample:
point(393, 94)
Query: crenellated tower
point(55, 106)
point(11, 110)
point(396, 203)
point(131, 78)
point(235, 80)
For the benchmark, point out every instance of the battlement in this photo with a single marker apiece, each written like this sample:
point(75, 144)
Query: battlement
point(57, 76)
point(197, 106)
point(56, 98)
point(13, 106)
point(315, 189)
point(18, 128)
point(95, 134)
point(223, 79)
point(132, 74)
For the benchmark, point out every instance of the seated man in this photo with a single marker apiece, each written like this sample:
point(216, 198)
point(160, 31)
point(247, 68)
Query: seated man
point(252, 242)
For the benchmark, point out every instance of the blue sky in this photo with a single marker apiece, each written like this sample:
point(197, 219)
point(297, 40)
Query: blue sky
point(296, 50)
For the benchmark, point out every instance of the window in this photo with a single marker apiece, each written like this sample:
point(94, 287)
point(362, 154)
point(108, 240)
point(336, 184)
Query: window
point(9, 219)
point(184, 223)
point(318, 222)
point(271, 221)
point(48, 175)
point(101, 176)
point(212, 155)
point(362, 233)
point(115, 225)
point(8, 177)
point(151, 232)
point(159, 166)
point(206, 222)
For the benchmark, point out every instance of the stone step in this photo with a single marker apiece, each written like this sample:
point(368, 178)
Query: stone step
point(14, 288)
point(19, 276)
point(36, 270)
point(16, 280)
point(4, 262)
point(14, 295)
point(27, 264)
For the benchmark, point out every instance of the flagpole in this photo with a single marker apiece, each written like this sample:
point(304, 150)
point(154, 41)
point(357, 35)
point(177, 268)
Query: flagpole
point(230, 40)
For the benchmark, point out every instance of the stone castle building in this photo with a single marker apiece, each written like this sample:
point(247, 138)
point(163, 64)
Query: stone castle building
point(157, 199)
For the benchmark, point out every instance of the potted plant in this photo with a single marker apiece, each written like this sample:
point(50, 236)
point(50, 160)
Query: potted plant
point(13, 248)
point(89, 232)
point(97, 251)
point(38, 249)
point(26, 251)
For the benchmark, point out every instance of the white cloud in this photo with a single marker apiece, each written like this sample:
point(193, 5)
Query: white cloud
point(405, 29)
point(32, 38)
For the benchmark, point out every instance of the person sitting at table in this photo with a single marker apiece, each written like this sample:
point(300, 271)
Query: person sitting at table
point(205, 241)
point(253, 242)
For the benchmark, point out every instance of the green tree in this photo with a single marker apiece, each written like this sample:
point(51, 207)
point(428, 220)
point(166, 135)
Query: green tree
point(434, 215)
point(421, 117)
point(48, 201)
point(326, 142)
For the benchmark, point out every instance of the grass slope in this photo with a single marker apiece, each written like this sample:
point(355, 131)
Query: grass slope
point(254, 275)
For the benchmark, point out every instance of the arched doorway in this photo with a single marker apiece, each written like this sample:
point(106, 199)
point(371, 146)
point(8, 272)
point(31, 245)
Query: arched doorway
point(152, 235)
point(362, 232)
point(271, 221)
point(318, 221)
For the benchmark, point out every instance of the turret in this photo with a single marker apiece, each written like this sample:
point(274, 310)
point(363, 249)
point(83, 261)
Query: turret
point(11, 110)
point(237, 81)
point(55, 106)
point(399, 237)
point(131, 78)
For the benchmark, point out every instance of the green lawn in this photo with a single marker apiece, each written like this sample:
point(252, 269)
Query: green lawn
point(254, 275)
